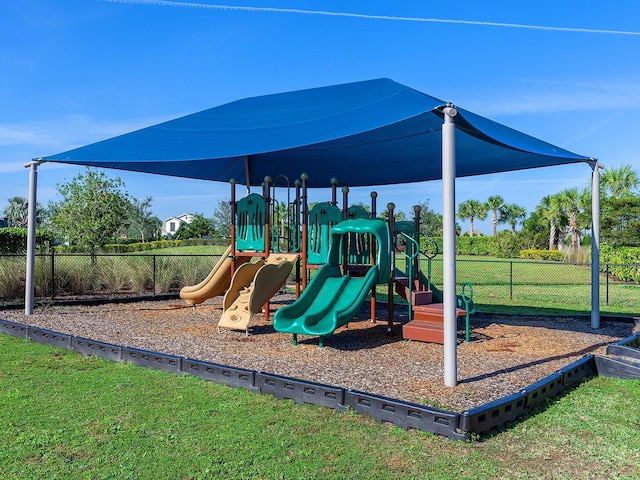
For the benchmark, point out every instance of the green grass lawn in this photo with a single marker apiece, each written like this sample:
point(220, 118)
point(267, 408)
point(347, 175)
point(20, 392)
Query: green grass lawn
point(66, 416)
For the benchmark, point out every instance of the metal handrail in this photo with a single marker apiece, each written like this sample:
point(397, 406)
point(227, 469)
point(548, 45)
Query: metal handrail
point(414, 253)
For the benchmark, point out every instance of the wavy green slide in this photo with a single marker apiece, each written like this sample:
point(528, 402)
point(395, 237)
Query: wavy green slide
point(332, 299)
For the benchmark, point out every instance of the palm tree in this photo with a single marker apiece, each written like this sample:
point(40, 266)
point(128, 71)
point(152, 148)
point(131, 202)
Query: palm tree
point(619, 182)
point(551, 208)
point(494, 203)
point(512, 214)
point(17, 212)
point(573, 202)
point(470, 209)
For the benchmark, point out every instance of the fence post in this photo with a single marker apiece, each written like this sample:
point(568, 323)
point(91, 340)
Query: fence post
point(606, 273)
point(154, 274)
point(53, 274)
point(511, 280)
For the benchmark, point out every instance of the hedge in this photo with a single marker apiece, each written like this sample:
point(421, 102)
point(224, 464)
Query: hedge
point(555, 255)
point(478, 245)
point(155, 245)
point(623, 262)
point(14, 240)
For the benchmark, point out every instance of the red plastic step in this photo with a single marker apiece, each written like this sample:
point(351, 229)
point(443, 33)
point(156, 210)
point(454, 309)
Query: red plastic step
point(420, 294)
point(432, 332)
point(433, 312)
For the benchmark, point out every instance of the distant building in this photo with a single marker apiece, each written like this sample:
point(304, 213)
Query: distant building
point(171, 224)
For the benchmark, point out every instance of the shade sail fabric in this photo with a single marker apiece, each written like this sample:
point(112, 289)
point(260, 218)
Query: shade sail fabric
point(375, 132)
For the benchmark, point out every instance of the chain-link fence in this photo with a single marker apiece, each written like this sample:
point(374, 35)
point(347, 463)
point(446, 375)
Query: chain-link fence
point(540, 284)
point(67, 276)
point(495, 282)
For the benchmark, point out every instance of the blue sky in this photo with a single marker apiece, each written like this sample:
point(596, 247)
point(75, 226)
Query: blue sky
point(78, 71)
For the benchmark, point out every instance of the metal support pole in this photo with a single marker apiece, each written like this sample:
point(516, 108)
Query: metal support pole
point(345, 237)
point(297, 246)
point(29, 288)
point(267, 232)
point(334, 189)
point(305, 241)
point(390, 209)
point(233, 205)
point(449, 246)
point(595, 246)
point(373, 256)
point(416, 262)
point(53, 274)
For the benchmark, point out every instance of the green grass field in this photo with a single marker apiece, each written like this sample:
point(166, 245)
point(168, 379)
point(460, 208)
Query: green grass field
point(66, 416)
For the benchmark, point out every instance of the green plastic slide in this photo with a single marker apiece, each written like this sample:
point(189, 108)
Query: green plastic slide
point(332, 299)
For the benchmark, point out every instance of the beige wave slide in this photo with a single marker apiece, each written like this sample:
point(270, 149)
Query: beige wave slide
point(216, 283)
point(252, 286)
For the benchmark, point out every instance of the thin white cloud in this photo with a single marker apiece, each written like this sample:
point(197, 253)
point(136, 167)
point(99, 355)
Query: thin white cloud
point(393, 18)
point(61, 133)
point(617, 95)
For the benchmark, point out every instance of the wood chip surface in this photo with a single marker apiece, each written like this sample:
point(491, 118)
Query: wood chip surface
point(505, 354)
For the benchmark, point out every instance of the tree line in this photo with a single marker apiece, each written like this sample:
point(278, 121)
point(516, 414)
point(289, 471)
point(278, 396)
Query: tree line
point(566, 215)
point(95, 210)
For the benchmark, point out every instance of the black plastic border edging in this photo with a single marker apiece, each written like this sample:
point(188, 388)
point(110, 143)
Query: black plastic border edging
point(157, 361)
point(49, 337)
point(231, 376)
point(493, 414)
point(87, 346)
point(632, 341)
point(14, 329)
point(538, 392)
point(398, 412)
point(576, 372)
point(301, 391)
point(406, 414)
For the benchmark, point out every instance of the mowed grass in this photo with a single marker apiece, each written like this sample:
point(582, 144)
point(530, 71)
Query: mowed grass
point(66, 416)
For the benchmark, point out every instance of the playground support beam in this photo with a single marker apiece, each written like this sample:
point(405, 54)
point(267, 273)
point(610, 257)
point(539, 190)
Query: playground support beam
point(449, 245)
point(29, 288)
point(595, 245)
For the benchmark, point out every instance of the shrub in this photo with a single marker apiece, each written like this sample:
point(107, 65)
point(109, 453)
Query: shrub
point(554, 255)
point(474, 245)
point(464, 245)
point(14, 240)
point(154, 245)
point(623, 262)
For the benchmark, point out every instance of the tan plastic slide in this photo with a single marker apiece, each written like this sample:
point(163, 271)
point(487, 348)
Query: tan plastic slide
point(216, 283)
point(252, 286)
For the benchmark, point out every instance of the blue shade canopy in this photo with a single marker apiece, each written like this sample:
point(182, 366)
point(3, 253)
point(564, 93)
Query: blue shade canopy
point(375, 132)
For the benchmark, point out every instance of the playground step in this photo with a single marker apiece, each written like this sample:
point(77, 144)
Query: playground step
point(626, 351)
point(617, 367)
point(433, 312)
point(420, 294)
point(424, 331)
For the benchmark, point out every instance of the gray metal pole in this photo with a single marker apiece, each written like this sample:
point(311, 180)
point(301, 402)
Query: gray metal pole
point(449, 246)
point(31, 237)
point(595, 246)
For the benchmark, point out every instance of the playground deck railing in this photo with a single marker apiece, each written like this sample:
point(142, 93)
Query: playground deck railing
point(497, 284)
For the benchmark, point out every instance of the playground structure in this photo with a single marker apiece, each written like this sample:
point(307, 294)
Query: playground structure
point(351, 252)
